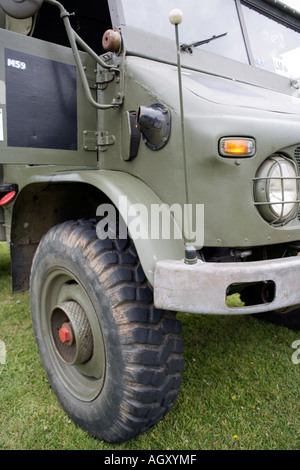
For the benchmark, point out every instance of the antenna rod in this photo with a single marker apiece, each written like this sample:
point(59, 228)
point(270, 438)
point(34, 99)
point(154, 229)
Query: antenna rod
point(176, 17)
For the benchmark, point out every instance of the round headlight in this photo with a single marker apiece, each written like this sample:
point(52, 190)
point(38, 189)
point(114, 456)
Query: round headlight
point(276, 189)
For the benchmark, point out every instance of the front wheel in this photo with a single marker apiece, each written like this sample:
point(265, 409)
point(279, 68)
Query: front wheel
point(113, 360)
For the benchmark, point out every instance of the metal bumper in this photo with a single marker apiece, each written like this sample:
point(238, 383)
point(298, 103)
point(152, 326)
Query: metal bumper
point(202, 288)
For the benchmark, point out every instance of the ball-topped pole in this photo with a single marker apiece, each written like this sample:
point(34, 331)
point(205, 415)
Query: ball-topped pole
point(190, 255)
point(176, 16)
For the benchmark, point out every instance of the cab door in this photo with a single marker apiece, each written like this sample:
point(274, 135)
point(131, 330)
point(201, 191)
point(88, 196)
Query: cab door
point(44, 113)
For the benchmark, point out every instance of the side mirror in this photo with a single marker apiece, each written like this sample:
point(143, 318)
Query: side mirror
point(21, 9)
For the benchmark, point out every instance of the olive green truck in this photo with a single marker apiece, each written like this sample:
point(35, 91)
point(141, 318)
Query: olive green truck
point(149, 164)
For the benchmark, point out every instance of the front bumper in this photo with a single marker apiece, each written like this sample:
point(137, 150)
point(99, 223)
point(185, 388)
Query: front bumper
point(202, 288)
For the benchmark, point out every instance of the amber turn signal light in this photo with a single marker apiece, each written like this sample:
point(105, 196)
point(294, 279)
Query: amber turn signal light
point(237, 147)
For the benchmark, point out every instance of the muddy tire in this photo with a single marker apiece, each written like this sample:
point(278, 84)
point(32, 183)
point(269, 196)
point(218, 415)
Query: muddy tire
point(289, 319)
point(112, 359)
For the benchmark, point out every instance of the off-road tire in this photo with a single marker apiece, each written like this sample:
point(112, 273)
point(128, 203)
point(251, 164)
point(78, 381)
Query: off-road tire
point(289, 319)
point(140, 358)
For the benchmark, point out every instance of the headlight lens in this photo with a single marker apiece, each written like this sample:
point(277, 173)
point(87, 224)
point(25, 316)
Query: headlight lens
point(276, 190)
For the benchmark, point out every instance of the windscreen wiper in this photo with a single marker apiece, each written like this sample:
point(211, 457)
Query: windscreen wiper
point(188, 47)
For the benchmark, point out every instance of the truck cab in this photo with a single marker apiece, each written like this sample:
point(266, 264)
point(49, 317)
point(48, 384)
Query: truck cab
point(149, 164)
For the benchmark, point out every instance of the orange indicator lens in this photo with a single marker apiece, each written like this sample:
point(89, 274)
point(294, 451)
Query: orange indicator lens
point(237, 147)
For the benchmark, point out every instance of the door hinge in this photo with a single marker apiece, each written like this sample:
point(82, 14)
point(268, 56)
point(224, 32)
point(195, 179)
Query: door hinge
point(104, 140)
point(104, 76)
point(90, 143)
point(93, 140)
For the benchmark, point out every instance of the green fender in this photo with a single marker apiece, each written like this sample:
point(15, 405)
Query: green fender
point(134, 192)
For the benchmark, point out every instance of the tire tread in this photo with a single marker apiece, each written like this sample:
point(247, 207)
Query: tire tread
point(151, 343)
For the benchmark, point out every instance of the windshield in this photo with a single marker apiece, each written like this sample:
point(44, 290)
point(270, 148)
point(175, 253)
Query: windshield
point(265, 43)
point(201, 21)
point(275, 47)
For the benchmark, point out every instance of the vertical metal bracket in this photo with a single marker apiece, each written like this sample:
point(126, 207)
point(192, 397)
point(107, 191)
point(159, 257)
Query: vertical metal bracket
point(115, 74)
point(104, 77)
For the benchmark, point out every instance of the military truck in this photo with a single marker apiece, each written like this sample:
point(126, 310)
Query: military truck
point(149, 164)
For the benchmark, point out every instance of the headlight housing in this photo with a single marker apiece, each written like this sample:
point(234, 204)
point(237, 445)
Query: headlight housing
point(276, 190)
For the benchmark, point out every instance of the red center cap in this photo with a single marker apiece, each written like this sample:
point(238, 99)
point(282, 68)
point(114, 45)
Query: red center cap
point(64, 334)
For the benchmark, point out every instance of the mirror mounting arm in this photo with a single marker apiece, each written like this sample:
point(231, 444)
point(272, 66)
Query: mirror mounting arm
point(74, 38)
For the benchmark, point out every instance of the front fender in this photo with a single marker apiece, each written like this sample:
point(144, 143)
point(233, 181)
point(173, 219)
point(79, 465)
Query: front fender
point(117, 186)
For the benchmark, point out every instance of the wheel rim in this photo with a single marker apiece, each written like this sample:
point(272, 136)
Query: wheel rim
point(78, 359)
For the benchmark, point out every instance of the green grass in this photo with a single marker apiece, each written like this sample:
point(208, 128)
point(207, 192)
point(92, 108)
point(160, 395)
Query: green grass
point(240, 387)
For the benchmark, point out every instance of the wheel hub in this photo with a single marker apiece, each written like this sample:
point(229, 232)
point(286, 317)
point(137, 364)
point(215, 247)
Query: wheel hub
point(71, 333)
point(66, 334)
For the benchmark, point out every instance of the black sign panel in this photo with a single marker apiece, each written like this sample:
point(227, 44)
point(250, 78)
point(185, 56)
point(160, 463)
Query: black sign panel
point(41, 102)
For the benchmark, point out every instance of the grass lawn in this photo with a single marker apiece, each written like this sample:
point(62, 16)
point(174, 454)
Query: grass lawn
point(240, 387)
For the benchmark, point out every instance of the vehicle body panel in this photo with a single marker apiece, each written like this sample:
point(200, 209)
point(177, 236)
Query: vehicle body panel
point(222, 98)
